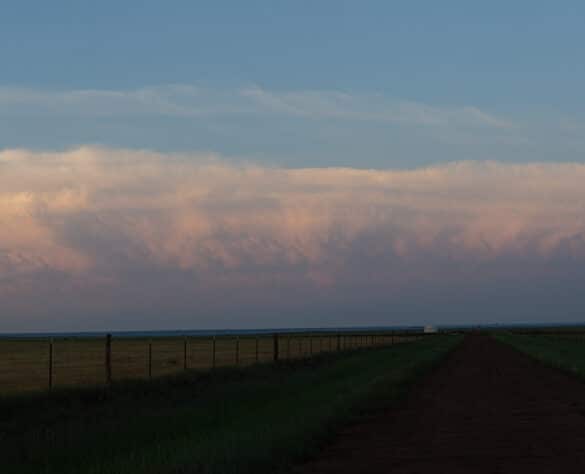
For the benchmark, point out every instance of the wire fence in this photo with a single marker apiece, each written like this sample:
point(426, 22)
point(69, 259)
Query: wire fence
point(44, 364)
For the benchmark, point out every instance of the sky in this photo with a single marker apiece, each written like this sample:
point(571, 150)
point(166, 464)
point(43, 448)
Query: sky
point(168, 165)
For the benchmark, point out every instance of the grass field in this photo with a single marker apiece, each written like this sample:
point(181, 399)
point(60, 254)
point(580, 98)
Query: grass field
point(564, 351)
point(25, 364)
point(257, 419)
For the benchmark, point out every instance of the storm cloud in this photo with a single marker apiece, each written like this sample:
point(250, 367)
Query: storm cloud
point(96, 238)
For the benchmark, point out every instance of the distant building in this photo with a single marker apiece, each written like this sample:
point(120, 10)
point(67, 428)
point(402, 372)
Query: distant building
point(428, 329)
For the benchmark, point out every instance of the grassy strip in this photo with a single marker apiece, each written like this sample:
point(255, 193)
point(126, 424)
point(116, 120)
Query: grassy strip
point(561, 352)
point(258, 419)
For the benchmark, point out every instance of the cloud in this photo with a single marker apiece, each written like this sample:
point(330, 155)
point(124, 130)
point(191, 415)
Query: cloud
point(120, 231)
point(194, 101)
point(374, 107)
point(294, 127)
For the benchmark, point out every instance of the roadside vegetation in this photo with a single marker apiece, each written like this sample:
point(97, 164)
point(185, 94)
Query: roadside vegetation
point(257, 419)
point(566, 351)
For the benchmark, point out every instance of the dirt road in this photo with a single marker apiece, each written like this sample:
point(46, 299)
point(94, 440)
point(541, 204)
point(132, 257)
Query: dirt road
point(487, 409)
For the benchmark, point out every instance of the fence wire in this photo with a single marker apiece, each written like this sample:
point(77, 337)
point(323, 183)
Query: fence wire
point(41, 364)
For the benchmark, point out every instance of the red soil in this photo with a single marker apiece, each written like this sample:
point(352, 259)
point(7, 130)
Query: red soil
point(487, 409)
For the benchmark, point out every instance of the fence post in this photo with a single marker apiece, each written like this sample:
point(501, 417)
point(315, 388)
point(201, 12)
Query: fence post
point(213, 353)
point(185, 348)
point(108, 359)
point(50, 363)
point(237, 350)
point(310, 344)
point(275, 343)
point(288, 346)
point(150, 359)
point(257, 348)
point(338, 342)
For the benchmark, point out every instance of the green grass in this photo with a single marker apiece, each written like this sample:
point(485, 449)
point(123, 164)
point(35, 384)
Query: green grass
point(565, 352)
point(258, 419)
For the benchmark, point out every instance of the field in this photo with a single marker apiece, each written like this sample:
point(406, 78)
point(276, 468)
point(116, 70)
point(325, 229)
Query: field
point(233, 420)
point(491, 406)
point(35, 364)
point(563, 349)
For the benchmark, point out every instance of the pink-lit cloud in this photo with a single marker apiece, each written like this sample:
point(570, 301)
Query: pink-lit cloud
point(105, 233)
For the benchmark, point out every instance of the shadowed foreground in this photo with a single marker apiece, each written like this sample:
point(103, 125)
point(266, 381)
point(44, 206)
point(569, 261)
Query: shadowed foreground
point(488, 409)
point(252, 420)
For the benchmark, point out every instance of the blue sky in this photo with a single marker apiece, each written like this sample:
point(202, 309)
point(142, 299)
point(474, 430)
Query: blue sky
point(519, 63)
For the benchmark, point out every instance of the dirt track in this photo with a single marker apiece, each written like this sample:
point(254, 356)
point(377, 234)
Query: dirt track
point(487, 409)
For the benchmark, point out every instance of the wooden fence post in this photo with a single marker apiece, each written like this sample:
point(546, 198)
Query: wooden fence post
point(275, 343)
point(338, 342)
point(108, 359)
point(51, 364)
point(150, 359)
point(237, 350)
point(257, 348)
point(213, 353)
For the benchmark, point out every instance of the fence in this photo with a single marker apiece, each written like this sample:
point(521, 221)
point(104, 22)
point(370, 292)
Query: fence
point(38, 364)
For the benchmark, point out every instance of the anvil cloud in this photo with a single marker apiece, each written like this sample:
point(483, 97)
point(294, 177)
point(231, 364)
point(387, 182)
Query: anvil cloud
point(97, 238)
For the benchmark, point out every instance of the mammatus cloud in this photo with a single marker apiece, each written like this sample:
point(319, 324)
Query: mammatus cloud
point(97, 233)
